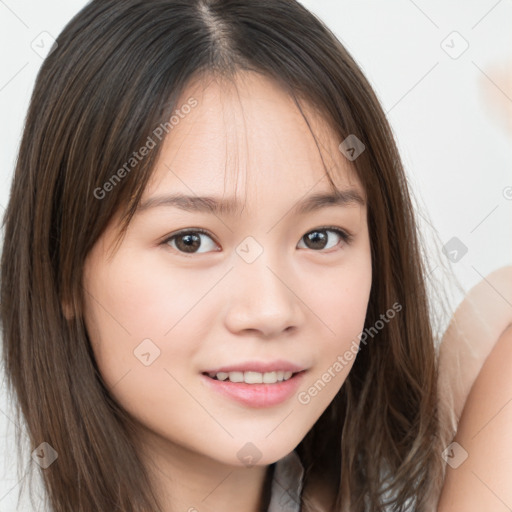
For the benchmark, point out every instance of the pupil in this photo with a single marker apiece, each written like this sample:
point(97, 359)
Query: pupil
point(317, 238)
point(190, 242)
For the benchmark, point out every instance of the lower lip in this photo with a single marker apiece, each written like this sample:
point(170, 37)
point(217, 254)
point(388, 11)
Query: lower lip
point(256, 395)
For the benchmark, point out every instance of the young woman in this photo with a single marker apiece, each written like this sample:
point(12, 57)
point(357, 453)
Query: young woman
point(208, 221)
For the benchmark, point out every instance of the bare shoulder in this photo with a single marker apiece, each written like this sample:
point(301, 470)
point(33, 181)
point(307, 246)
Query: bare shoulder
point(474, 329)
point(480, 463)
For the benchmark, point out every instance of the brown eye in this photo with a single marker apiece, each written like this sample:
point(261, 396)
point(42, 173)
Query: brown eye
point(320, 239)
point(191, 241)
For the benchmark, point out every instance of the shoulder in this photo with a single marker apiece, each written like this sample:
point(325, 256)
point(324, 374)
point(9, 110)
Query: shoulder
point(479, 467)
point(476, 325)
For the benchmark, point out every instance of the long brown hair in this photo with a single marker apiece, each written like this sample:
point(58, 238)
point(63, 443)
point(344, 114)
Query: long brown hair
point(115, 75)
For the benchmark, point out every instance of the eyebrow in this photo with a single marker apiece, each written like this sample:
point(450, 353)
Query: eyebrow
point(217, 206)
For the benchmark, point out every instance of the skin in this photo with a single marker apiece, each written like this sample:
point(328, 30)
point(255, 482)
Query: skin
point(482, 397)
point(482, 481)
point(212, 308)
point(474, 329)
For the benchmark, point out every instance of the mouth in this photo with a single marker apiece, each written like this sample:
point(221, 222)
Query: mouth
point(255, 389)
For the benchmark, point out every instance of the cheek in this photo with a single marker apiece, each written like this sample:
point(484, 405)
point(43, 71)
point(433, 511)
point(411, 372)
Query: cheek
point(128, 304)
point(138, 318)
point(340, 299)
point(144, 296)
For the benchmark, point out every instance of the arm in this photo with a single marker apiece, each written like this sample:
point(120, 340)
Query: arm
point(475, 327)
point(483, 480)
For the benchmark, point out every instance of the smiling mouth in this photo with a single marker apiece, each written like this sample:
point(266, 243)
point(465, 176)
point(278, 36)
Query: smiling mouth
point(255, 389)
point(250, 377)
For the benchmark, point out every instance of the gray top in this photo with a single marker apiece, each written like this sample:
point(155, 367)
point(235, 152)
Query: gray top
point(287, 482)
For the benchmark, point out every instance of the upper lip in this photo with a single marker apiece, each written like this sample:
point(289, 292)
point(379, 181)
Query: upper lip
point(259, 366)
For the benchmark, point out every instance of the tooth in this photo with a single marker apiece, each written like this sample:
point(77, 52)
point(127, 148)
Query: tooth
point(270, 378)
point(236, 376)
point(253, 377)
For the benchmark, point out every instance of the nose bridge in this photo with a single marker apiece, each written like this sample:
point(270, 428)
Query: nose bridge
point(261, 297)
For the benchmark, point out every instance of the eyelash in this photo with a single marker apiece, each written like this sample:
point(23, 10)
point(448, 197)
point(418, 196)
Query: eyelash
point(344, 235)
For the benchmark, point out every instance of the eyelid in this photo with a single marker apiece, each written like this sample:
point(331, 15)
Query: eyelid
point(345, 235)
point(190, 230)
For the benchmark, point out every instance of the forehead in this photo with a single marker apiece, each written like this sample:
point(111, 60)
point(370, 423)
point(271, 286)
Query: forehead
point(247, 137)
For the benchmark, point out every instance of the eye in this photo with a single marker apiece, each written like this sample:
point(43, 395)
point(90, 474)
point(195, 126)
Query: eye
point(319, 239)
point(190, 241)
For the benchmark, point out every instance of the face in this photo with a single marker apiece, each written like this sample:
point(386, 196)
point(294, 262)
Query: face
point(268, 287)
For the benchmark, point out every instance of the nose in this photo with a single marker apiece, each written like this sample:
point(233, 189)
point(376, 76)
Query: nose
point(262, 298)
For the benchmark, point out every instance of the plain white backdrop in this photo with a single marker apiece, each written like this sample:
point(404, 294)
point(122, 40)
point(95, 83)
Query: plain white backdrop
point(443, 73)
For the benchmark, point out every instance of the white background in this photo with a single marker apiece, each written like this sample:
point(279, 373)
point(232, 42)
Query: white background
point(452, 118)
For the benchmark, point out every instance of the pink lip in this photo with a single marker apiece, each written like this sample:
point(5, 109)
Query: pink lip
point(261, 367)
point(256, 395)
